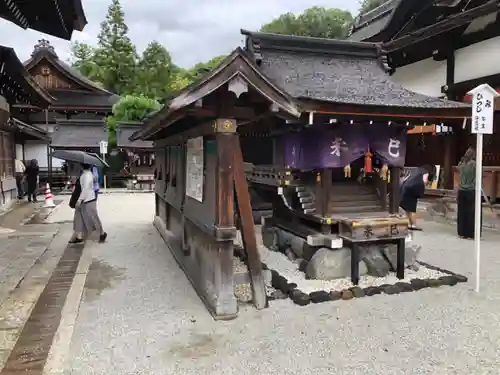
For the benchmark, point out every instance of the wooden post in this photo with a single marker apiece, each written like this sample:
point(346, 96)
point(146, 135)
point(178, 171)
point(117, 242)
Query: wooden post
point(449, 156)
point(224, 214)
point(247, 225)
point(394, 190)
point(326, 188)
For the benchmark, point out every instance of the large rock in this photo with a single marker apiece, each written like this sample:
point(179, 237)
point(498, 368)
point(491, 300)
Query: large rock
point(375, 261)
point(328, 264)
point(412, 252)
point(300, 247)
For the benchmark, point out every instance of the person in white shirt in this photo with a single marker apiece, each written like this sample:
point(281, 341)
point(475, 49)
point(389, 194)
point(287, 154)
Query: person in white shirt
point(86, 218)
point(20, 169)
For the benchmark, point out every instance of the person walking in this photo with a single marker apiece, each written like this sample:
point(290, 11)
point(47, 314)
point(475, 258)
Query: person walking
point(95, 174)
point(86, 218)
point(19, 169)
point(32, 177)
point(466, 195)
point(412, 189)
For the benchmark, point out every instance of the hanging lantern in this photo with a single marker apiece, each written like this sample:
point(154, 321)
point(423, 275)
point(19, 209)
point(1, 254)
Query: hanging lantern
point(347, 171)
point(368, 168)
point(384, 172)
point(318, 178)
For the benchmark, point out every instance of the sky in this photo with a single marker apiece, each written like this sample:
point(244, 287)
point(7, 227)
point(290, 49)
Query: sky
point(192, 30)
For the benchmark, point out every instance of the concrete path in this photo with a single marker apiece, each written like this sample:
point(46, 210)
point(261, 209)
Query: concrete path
point(139, 315)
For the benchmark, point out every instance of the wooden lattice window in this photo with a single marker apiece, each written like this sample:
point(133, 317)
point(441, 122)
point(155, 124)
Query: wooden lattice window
point(6, 154)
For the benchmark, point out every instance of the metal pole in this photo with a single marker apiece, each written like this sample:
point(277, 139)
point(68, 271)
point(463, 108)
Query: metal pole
point(104, 174)
point(477, 213)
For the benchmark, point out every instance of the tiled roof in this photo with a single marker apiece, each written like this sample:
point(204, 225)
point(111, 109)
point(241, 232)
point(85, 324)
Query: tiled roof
point(81, 134)
point(334, 71)
point(373, 22)
point(125, 131)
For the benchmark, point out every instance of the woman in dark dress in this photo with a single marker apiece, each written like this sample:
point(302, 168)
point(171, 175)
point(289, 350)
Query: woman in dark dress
point(32, 171)
point(412, 189)
point(466, 195)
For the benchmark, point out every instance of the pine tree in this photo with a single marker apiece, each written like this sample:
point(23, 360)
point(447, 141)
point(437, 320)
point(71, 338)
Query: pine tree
point(115, 54)
point(154, 72)
point(82, 59)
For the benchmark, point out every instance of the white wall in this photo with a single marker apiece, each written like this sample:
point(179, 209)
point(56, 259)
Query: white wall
point(427, 76)
point(478, 60)
point(19, 152)
point(38, 150)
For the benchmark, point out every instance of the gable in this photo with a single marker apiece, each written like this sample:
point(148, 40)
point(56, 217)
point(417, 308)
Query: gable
point(50, 77)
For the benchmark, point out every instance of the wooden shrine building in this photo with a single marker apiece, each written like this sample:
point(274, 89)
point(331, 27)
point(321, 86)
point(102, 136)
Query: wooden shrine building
point(247, 121)
point(75, 118)
point(441, 48)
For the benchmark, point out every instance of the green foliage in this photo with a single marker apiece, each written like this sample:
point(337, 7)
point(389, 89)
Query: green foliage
point(316, 22)
point(367, 5)
point(197, 71)
point(83, 60)
point(115, 54)
point(129, 109)
point(154, 72)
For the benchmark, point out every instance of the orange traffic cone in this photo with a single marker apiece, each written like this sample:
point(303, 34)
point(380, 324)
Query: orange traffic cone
point(49, 200)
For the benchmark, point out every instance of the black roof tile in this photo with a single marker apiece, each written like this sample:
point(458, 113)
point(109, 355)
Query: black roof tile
point(125, 131)
point(334, 71)
point(81, 134)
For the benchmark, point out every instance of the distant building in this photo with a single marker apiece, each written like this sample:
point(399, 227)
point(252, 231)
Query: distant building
point(75, 118)
point(441, 48)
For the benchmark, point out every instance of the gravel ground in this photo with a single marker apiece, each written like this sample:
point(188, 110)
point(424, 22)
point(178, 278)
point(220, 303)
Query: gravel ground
point(141, 316)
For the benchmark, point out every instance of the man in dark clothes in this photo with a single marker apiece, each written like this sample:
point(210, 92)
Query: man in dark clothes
point(412, 189)
point(32, 172)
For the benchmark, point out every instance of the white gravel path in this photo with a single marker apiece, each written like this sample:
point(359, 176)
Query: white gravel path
point(150, 321)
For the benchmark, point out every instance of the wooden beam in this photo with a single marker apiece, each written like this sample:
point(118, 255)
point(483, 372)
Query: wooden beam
point(240, 113)
point(244, 206)
point(447, 24)
point(422, 129)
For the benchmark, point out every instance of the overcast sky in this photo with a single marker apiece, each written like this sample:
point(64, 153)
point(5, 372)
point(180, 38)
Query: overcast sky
point(192, 30)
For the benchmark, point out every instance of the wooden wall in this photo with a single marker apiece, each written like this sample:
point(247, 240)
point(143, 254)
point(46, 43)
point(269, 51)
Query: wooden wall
point(190, 226)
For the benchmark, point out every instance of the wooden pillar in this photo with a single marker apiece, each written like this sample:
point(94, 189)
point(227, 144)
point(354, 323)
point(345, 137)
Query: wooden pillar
point(325, 188)
point(394, 190)
point(449, 142)
point(225, 301)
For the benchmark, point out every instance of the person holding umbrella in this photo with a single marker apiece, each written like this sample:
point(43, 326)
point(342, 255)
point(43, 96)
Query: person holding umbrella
point(86, 217)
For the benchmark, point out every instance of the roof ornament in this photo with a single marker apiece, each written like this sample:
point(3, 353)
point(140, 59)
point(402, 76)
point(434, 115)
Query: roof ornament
point(43, 45)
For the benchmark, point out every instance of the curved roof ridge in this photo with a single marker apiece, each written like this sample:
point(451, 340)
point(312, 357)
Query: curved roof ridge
point(43, 49)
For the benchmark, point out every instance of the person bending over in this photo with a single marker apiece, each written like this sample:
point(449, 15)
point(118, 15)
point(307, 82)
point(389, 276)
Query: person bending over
point(412, 189)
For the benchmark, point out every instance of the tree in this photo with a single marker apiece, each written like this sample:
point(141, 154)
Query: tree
point(154, 72)
point(197, 71)
point(367, 5)
point(129, 109)
point(82, 59)
point(316, 22)
point(115, 55)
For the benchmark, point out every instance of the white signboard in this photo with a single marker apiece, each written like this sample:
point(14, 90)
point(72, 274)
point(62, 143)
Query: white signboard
point(482, 123)
point(103, 147)
point(483, 109)
point(194, 169)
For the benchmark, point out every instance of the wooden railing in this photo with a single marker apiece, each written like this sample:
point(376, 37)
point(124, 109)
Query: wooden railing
point(270, 175)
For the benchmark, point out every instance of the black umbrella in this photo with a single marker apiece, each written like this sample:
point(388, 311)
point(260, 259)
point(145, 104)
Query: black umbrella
point(81, 157)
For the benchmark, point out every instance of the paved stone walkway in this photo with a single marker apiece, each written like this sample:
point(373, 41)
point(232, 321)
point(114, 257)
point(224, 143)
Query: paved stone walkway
point(139, 315)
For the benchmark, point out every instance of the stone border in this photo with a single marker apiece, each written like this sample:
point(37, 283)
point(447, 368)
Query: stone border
point(300, 298)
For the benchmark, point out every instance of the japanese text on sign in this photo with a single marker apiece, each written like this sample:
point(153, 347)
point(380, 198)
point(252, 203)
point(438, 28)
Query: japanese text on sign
point(482, 109)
